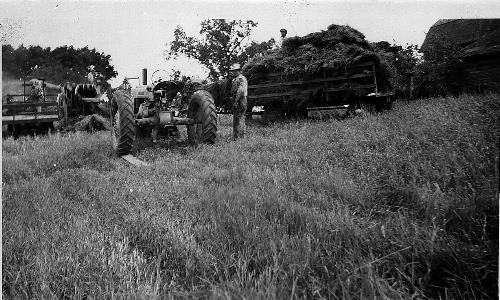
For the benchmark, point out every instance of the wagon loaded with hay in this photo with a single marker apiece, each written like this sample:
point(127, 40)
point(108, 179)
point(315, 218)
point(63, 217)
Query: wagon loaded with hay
point(331, 69)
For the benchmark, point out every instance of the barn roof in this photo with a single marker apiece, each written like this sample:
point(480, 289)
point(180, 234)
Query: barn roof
point(473, 36)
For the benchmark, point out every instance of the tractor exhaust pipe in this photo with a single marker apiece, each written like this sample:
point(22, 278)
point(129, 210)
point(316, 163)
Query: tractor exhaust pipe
point(144, 76)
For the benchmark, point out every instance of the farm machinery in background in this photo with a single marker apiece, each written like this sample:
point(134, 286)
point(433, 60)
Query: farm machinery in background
point(34, 109)
point(81, 99)
point(157, 109)
point(49, 106)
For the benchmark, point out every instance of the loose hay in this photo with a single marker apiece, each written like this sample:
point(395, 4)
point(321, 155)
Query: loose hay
point(90, 123)
point(331, 50)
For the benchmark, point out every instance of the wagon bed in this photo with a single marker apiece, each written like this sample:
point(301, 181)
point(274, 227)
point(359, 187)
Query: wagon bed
point(287, 94)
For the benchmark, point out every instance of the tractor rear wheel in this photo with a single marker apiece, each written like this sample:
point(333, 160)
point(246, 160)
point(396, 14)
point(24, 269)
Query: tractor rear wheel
point(122, 121)
point(202, 110)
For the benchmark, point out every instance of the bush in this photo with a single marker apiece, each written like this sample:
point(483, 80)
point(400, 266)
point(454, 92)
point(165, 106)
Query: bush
point(403, 61)
point(441, 72)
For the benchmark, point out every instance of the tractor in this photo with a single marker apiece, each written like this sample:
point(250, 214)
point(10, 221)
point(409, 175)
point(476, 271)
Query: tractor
point(153, 109)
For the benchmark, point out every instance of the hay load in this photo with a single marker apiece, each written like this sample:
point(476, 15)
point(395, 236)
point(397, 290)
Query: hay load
point(331, 50)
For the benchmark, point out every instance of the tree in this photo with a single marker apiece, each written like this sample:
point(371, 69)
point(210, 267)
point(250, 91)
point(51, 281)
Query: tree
point(220, 46)
point(441, 71)
point(404, 61)
point(175, 75)
point(8, 62)
point(255, 49)
point(58, 65)
point(438, 72)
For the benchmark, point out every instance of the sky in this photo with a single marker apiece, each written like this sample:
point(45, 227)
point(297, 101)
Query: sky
point(136, 33)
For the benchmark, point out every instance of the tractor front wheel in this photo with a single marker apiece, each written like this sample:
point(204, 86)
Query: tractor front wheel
point(202, 110)
point(122, 121)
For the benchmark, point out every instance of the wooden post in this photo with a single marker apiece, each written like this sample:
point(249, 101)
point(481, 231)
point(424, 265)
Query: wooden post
point(327, 95)
point(375, 79)
point(65, 109)
point(411, 87)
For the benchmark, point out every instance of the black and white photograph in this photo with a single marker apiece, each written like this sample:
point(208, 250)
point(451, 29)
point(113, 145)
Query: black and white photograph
point(250, 149)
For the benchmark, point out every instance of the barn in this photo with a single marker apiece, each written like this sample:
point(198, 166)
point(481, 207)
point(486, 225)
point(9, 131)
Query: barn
point(478, 41)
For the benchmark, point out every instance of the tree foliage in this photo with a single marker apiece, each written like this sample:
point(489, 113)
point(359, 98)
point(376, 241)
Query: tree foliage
point(56, 65)
point(221, 44)
point(255, 49)
point(404, 61)
point(441, 72)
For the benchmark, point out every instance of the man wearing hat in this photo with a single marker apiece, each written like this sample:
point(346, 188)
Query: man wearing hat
point(239, 92)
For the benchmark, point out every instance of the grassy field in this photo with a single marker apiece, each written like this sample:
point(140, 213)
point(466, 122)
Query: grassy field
point(399, 205)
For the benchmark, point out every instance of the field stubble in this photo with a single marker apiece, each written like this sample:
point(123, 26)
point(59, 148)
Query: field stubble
point(397, 205)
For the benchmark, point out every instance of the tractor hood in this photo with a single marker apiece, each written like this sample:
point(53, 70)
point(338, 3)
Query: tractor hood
point(142, 91)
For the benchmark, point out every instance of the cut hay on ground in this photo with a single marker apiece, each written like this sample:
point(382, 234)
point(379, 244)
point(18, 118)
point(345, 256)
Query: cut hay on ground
point(90, 123)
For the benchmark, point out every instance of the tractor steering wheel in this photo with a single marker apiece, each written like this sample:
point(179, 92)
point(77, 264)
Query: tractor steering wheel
point(154, 82)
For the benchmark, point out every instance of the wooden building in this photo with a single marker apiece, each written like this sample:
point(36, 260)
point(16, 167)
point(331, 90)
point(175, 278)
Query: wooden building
point(478, 42)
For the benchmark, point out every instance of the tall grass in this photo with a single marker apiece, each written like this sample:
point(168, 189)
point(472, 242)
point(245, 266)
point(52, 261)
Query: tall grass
point(397, 205)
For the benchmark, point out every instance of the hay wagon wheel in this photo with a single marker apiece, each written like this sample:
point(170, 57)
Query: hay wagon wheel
point(122, 123)
point(385, 103)
point(273, 112)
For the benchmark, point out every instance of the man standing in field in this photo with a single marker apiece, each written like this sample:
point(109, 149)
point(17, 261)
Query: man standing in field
point(239, 92)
